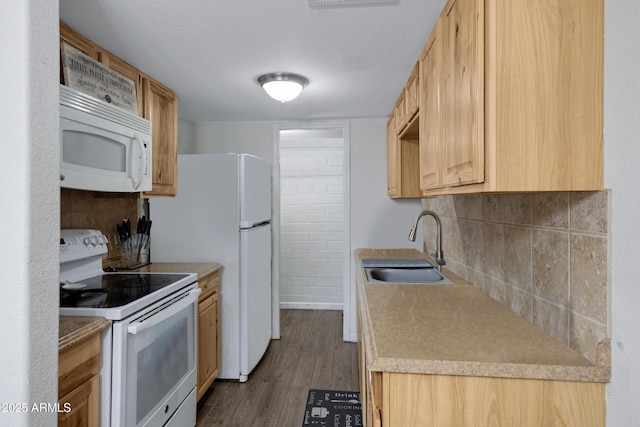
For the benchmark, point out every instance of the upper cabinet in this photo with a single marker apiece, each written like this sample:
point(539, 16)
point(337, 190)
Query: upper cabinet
point(461, 157)
point(161, 108)
point(156, 103)
point(511, 98)
point(430, 126)
point(403, 146)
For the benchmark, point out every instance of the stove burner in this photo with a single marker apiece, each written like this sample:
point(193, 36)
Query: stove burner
point(115, 290)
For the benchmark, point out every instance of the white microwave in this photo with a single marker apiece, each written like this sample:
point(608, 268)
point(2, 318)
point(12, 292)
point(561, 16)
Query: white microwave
point(103, 147)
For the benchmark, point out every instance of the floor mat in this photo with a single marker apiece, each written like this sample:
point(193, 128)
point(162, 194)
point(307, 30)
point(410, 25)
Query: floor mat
point(333, 408)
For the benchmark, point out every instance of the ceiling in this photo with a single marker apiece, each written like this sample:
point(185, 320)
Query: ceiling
point(210, 52)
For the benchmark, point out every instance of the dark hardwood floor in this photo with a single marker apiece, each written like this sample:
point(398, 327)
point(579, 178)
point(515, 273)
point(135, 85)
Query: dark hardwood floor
point(309, 354)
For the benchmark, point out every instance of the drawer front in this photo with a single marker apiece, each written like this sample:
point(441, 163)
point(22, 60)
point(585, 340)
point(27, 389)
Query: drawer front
point(208, 285)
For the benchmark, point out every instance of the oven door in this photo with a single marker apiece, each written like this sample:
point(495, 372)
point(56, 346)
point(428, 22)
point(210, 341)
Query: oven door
point(154, 361)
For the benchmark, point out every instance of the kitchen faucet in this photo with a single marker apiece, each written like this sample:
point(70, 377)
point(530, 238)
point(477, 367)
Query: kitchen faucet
point(438, 254)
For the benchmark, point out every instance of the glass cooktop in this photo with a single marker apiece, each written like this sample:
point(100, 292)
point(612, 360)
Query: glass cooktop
point(113, 290)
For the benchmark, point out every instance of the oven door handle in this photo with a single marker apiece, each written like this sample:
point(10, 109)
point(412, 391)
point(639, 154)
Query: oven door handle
point(162, 315)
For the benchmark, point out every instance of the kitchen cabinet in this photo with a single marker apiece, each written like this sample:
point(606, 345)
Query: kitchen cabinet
point(402, 164)
point(156, 103)
point(120, 66)
point(471, 401)
point(79, 383)
point(393, 168)
point(412, 93)
point(370, 389)
point(462, 145)
point(78, 41)
point(208, 332)
point(161, 108)
point(518, 103)
point(407, 104)
point(429, 133)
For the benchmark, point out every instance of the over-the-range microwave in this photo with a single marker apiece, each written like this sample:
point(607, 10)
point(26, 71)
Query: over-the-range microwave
point(103, 147)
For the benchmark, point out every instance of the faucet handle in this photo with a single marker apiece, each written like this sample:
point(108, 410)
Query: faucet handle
point(439, 257)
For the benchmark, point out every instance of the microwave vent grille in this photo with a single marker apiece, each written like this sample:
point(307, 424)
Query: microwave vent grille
point(97, 107)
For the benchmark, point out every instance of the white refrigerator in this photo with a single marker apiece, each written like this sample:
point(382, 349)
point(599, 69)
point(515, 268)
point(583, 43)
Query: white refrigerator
point(222, 213)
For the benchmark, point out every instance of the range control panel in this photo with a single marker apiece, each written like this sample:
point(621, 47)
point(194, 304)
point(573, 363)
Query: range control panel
point(81, 243)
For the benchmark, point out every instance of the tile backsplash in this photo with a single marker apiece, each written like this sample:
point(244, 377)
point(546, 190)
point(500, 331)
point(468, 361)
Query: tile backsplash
point(100, 211)
point(543, 255)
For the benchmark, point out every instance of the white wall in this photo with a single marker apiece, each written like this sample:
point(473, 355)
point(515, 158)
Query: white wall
point(376, 220)
point(30, 220)
point(235, 137)
point(622, 175)
point(186, 136)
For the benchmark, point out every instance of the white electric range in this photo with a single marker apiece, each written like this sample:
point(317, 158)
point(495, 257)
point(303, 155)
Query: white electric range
point(148, 372)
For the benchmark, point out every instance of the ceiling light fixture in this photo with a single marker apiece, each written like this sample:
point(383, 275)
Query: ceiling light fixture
point(282, 87)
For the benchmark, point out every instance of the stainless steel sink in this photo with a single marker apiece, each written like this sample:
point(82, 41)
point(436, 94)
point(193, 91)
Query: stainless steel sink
point(417, 271)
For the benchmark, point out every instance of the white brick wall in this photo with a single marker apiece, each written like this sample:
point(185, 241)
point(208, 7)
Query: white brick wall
point(311, 223)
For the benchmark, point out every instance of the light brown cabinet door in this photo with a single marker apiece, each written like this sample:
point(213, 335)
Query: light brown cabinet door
point(393, 171)
point(76, 40)
point(208, 356)
point(463, 95)
point(161, 108)
point(120, 66)
point(412, 93)
point(83, 404)
point(430, 113)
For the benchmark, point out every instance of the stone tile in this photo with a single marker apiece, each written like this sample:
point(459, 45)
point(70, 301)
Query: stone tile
point(428, 203)
point(459, 206)
point(494, 288)
point(589, 211)
point(475, 277)
point(473, 206)
point(551, 318)
point(493, 207)
point(518, 301)
point(589, 276)
point(452, 238)
point(517, 257)
point(517, 209)
point(473, 248)
point(585, 334)
point(550, 210)
point(493, 250)
point(550, 252)
point(444, 206)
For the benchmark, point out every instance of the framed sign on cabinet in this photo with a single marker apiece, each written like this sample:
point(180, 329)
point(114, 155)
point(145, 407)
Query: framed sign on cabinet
point(84, 73)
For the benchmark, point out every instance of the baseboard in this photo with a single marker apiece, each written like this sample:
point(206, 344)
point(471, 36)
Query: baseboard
point(309, 306)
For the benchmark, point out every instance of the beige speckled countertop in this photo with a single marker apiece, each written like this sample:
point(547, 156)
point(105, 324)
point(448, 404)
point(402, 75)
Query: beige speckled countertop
point(202, 269)
point(75, 329)
point(457, 329)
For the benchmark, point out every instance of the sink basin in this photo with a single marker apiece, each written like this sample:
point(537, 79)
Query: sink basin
point(403, 270)
point(421, 275)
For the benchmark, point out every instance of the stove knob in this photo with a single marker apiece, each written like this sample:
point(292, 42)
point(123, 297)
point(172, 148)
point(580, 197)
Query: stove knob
point(103, 239)
point(86, 241)
point(94, 240)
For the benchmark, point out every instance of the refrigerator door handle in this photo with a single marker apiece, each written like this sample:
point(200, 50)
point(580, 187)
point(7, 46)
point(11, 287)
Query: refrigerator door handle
point(244, 225)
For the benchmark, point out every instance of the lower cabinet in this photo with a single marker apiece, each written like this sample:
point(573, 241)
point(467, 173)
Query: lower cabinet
point(400, 400)
point(391, 399)
point(437, 400)
point(208, 332)
point(79, 384)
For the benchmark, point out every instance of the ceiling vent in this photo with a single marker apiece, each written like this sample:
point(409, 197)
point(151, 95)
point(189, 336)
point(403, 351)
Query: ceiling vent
point(338, 3)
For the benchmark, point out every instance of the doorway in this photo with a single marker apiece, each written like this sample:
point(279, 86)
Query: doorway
point(311, 216)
